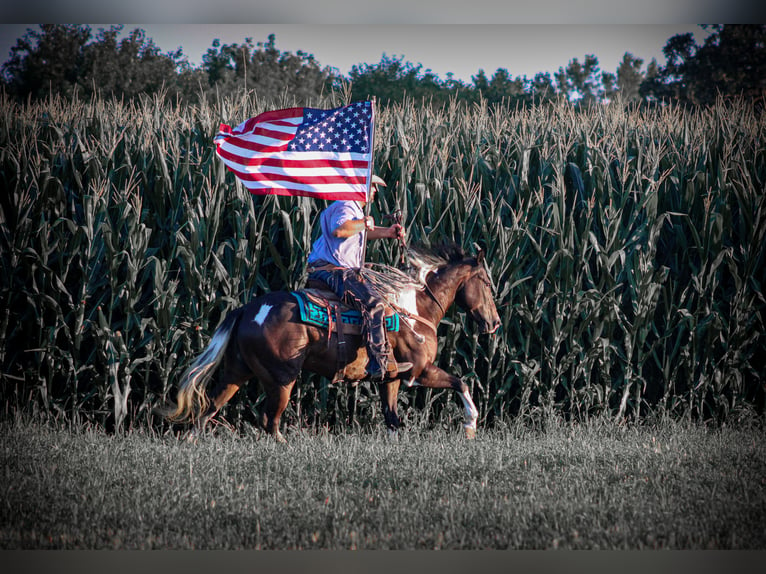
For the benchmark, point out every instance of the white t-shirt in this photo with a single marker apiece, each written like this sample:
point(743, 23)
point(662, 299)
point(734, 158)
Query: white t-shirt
point(343, 252)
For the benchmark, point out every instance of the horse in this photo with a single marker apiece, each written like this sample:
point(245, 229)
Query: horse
point(265, 339)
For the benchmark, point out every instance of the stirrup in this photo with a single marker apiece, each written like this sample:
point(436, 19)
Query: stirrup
point(399, 367)
point(392, 371)
point(393, 368)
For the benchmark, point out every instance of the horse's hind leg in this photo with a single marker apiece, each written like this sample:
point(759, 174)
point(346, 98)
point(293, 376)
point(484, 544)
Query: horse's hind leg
point(221, 395)
point(277, 398)
point(233, 376)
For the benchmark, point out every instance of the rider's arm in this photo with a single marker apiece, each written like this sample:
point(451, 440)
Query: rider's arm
point(354, 226)
point(349, 228)
point(393, 232)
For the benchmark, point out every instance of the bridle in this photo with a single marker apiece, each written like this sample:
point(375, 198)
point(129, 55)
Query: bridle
point(432, 296)
point(486, 282)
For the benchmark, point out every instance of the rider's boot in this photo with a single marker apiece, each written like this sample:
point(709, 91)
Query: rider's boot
point(391, 372)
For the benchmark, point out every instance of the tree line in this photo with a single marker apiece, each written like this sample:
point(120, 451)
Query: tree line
point(73, 60)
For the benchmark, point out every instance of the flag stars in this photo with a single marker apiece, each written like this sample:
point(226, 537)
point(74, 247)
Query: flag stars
point(342, 130)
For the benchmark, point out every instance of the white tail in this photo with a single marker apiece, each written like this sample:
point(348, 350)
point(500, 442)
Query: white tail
point(192, 399)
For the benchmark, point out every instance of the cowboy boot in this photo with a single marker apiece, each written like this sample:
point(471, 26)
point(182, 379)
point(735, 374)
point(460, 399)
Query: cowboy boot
point(392, 368)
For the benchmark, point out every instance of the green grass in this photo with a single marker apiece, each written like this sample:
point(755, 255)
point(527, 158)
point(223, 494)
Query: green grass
point(595, 485)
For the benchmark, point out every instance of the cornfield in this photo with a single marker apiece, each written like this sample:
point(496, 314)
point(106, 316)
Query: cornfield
point(626, 246)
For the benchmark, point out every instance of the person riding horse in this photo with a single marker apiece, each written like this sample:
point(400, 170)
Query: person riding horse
point(336, 258)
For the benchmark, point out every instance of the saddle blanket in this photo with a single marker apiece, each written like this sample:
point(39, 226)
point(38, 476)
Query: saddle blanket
point(314, 313)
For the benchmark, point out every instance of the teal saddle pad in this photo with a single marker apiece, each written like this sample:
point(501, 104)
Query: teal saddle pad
point(318, 315)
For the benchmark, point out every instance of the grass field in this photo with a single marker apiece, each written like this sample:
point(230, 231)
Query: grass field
point(593, 485)
point(627, 246)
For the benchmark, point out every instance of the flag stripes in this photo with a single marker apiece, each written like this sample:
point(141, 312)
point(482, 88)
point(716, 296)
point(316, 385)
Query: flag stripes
point(302, 151)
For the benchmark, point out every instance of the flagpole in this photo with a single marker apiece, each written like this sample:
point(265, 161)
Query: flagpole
point(369, 183)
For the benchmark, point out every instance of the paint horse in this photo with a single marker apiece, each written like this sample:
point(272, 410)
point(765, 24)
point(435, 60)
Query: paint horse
point(266, 339)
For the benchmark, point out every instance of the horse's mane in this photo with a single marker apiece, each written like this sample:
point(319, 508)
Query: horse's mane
point(424, 259)
point(438, 255)
point(390, 281)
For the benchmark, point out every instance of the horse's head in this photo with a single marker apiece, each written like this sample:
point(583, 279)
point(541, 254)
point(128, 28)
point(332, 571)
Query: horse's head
point(450, 275)
point(475, 295)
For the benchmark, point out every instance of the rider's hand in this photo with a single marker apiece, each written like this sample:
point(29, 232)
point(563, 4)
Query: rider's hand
point(397, 231)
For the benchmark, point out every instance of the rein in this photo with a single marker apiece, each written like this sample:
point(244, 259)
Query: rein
point(432, 296)
point(416, 317)
point(396, 217)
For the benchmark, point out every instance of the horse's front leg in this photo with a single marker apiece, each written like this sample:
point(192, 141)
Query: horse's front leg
point(389, 392)
point(435, 378)
point(277, 399)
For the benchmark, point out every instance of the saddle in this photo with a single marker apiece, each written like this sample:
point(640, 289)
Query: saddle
point(324, 309)
point(321, 307)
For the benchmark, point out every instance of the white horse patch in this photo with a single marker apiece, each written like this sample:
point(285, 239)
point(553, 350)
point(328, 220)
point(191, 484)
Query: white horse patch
point(407, 301)
point(263, 312)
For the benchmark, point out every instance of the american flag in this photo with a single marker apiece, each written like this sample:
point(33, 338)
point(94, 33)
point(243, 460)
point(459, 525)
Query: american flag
point(302, 151)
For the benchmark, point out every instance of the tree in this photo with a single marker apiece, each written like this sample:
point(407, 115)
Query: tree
point(502, 87)
point(46, 60)
point(653, 89)
point(392, 78)
point(732, 61)
point(454, 86)
point(629, 78)
point(266, 70)
point(608, 86)
point(580, 82)
point(542, 88)
point(562, 83)
point(62, 59)
point(216, 63)
point(678, 51)
point(132, 67)
point(480, 81)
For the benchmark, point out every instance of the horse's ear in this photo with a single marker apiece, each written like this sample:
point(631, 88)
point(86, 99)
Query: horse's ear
point(480, 253)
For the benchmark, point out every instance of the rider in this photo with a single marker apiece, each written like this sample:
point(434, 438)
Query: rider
point(337, 257)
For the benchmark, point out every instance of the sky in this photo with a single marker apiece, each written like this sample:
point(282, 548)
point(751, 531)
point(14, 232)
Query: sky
point(522, 49)
point(458, 36)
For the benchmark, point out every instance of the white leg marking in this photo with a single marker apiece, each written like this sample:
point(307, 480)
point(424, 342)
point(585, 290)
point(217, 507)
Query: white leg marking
point(263, 312)
point(471, 413)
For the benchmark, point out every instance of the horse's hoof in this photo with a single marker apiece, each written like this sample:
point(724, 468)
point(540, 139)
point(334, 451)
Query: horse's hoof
point(191, 436)
point(280, 438)
point(470, 433)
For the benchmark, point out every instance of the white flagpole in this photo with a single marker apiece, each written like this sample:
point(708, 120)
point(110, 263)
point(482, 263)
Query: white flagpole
point(369, 182)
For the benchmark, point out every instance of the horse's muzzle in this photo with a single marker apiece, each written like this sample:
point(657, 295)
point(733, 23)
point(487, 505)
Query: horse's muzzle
point(491, 327)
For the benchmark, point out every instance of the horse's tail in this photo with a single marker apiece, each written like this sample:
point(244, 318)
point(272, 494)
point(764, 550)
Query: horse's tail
point(192, 401)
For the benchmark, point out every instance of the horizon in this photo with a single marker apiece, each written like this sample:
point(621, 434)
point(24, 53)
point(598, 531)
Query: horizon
point(433, 47)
